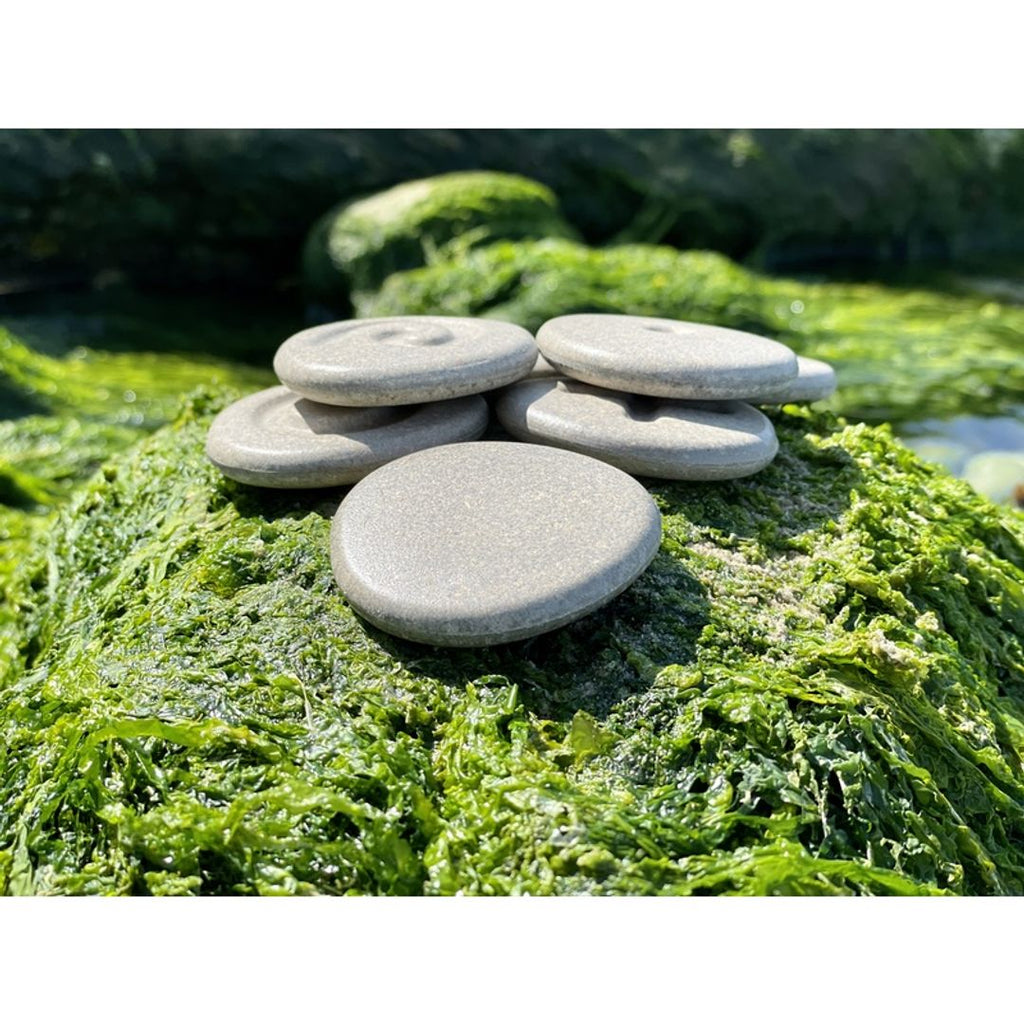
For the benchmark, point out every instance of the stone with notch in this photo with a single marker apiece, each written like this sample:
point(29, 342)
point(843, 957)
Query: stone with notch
point(666, 358)
point(468, 545)
point(657, 437)
point(403, 360)
point(276, 438)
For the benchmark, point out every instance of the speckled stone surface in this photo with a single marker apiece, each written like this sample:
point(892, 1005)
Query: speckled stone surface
point(402, 360)
point(658, 437)
point(276, 438)
point(665, 358)
point(815, 380)
point(475, 544)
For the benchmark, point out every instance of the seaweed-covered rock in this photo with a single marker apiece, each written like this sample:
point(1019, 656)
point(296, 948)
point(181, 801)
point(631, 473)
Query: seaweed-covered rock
point(817, 687)
point(354, 247)
point(232, 206)
point(530, 282)
point(900, 353)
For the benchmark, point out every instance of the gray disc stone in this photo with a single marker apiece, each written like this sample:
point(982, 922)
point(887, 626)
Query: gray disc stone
point(665, 358)
point(815, 380)
point(475, 544)
point(276, 438)
point(658, 437)
point(404, 359)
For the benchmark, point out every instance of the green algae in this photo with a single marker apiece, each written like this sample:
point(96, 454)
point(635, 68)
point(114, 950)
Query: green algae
point(900, 353)
point(68, 414)
point(141, 389)
point(354, 247)
point(43, 457)
point(817, 687)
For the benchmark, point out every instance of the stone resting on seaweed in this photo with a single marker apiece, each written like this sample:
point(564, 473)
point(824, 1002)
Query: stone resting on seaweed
point(816, 686)
point(276, 438)
point(473, 545)
point(469, 545)
point(821, 664)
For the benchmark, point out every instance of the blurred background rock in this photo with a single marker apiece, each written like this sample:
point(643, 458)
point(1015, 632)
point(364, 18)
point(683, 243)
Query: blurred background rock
point(178, 208)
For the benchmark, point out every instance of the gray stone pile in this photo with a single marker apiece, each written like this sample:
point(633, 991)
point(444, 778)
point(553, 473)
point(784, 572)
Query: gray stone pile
point(361, 393)
point(657, 397)
point(458, 544)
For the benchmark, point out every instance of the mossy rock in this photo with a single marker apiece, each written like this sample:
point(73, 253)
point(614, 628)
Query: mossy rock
point(232, 206)
point(901, 354)
point(530, 282)
point(817, 687)
point(355, 246)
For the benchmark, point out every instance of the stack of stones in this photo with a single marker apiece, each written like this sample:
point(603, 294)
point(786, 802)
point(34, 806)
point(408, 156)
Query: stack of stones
point(458, 544)
point(362, 393)
point(658, 397)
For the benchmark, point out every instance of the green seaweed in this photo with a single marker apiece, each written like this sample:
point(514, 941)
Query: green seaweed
point(141, 389)
point(45, 456)
point(68, 416)
point(354, 247)
point(72, 413)
point(900, 353)
point(817, 687)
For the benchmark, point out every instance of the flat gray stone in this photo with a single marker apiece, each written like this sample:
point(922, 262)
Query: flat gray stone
point(815, 380)
point(276, 438)
point(476, 544)
point(665, 358)
point(403, 360)
point(658, 437)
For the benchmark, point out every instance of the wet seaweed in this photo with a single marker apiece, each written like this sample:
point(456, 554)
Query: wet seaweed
point(817, 687)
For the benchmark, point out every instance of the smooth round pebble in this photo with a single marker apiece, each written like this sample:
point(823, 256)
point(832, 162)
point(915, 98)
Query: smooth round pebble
point(403, 360)
point(658, 437)
point(815, 380)
point(276, 438)
point(665, 358)
point(474, 544)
